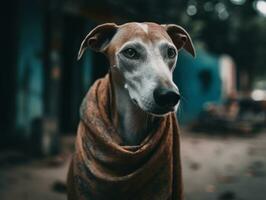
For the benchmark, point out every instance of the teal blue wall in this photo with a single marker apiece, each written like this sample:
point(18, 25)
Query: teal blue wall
point(186, 75)
point(30, 69)
point(30, 75)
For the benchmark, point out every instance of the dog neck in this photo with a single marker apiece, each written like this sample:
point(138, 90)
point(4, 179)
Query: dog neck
point(132, 123)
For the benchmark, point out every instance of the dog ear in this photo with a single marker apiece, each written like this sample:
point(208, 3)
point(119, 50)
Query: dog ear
point(180, 38)
point(98, 39)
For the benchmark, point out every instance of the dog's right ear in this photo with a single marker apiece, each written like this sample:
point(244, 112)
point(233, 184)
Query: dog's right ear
point(98, 39)
point(180, 37)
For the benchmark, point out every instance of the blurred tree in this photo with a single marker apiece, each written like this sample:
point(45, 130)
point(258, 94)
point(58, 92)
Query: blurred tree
point(237, 30)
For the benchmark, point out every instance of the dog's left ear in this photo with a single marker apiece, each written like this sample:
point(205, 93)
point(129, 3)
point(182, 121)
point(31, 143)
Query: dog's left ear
point(180, 38)
point(98, 39)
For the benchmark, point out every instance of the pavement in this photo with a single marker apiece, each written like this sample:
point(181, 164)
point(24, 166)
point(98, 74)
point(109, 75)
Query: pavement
point(215, 167)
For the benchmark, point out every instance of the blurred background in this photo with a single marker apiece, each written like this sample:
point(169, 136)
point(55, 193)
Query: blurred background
point(222, 112)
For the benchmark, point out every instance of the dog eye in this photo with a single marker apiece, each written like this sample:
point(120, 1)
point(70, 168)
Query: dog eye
point(130, 53)
point(171, 52)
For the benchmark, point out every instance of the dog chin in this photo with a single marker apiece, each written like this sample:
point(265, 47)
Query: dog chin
point(155, 110)
point(161, 113)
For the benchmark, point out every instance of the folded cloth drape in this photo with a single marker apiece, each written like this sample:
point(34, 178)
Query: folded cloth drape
point(103, 168)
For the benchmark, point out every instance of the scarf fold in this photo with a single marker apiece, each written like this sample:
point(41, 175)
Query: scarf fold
point(104, 169)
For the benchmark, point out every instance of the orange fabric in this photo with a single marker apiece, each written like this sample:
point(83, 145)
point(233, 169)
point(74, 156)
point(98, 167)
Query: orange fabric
point(103, 169)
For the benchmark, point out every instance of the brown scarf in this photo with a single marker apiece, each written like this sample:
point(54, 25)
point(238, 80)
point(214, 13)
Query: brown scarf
point(103, 169)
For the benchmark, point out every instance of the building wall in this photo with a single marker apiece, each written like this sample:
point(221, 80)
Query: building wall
point(199, 82)
point(30, 66)
point(31, 78)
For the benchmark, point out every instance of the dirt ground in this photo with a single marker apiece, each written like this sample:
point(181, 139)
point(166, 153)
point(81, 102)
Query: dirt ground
point(224, 168)
point(214, 168)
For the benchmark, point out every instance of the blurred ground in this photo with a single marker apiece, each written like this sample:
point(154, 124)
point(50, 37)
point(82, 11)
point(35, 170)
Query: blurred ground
point(224, 168)
point(215, 167)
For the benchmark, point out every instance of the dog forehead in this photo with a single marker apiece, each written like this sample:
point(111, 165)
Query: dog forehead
point(146, 32)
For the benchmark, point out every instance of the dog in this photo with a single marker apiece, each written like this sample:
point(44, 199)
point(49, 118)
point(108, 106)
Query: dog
point(141, 97)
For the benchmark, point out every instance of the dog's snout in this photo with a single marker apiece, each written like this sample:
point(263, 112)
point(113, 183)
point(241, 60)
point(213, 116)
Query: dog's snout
point(165, 97)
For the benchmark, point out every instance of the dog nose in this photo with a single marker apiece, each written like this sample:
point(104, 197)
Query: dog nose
point(166, 97)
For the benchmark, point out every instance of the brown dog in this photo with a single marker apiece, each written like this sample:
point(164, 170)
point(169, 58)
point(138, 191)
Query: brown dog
point(128, 142)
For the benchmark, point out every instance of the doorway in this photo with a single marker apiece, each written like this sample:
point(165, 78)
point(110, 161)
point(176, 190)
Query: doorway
point(73, 89)
point(71, 80)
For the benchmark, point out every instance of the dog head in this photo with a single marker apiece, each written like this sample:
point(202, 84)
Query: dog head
point(145, 54)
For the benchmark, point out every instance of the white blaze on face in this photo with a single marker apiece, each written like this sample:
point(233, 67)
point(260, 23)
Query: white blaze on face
point(144, 27)
point(157, 61)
